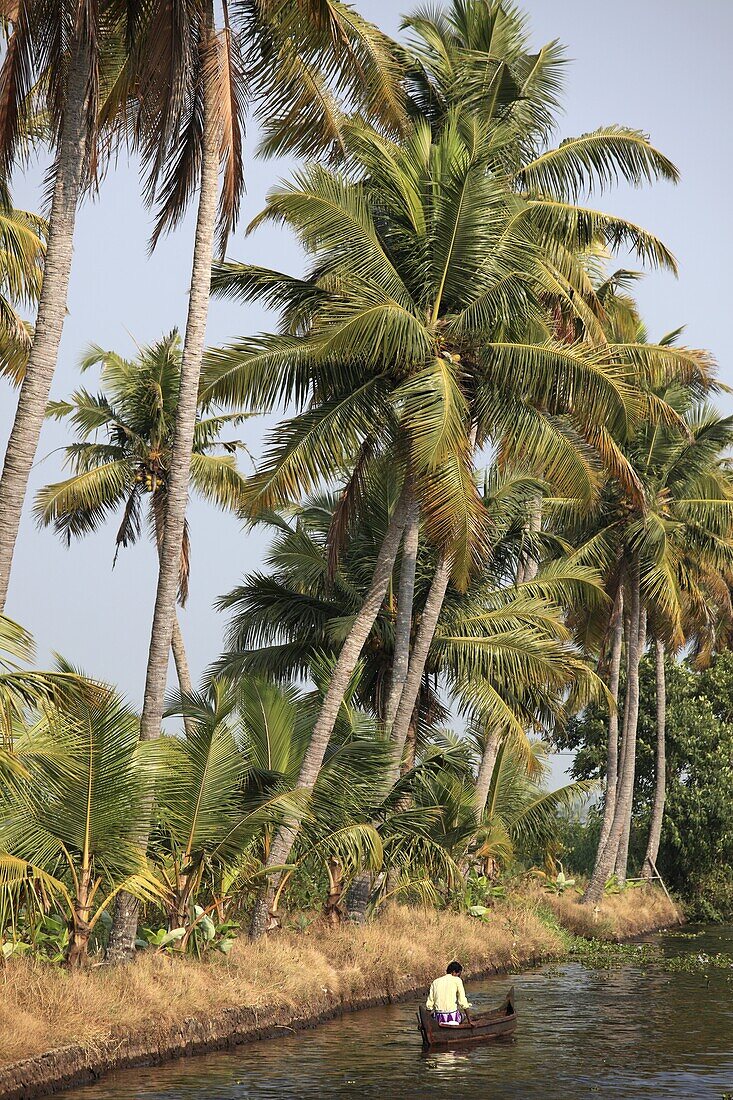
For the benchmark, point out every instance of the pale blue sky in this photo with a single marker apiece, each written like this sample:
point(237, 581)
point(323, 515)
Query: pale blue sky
point(659, 65)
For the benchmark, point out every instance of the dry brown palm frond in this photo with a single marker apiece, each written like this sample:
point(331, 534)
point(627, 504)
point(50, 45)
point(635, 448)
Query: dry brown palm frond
point(16, 82)
point(232, 100)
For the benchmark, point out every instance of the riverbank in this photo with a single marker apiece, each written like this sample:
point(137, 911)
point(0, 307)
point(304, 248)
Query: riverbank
point(58, 1028)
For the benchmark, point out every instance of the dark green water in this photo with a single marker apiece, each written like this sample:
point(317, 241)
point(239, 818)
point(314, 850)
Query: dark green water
point(631, 1033)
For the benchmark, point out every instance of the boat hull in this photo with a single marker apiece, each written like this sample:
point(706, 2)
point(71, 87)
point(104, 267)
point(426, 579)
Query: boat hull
point(497, 1024)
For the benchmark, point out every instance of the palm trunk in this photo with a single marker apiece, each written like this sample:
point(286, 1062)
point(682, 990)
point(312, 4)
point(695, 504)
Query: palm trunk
point(418, 660)
point(178, 646)
point(357, 897)
point(359, 892)
point(180, 659)
point(607, 855)
point(614, 676)
point(622, 856)
point(620, 754)
point(486, 771)
point(122, 937)
point(31, 408)
point(285, 836)
point(81, 933)
point(528, 567)
point(164, 615)
point(334, 908)
point(403, 626)
point(531, 567)
point(410, 754)
point(660, 785)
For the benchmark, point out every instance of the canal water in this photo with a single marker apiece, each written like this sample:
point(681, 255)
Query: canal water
point(636, 1032)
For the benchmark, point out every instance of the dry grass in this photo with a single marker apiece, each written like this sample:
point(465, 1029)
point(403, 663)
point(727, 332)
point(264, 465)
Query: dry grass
point(618, 917)
point(43, 1007)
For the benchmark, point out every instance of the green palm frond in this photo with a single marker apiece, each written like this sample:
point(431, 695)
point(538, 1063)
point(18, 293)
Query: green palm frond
point(580, 228)
point(600, 158)
point(79, 505)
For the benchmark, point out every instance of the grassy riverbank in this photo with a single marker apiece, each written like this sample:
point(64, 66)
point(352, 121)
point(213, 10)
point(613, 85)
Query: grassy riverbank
point(296, 975)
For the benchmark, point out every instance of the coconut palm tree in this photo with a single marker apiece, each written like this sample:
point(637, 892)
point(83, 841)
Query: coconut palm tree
point(291, 63)
point(520, 813)
point(228, 784)
point(69, 819)
point(660, 548)
point(210, 810)
point(481, 345)
point(53, 67)
point(135, 411)
point(284, 62)
point(502, 652)
point(478, 55)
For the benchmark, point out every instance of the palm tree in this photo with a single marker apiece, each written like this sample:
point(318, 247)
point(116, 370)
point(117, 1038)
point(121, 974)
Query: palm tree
point(210, 811)
point(478, 55)
point(230, 781)
point(520, 813)
point(69, 819)
point(476, 334)
point(660, 545)
point(135, 411)
point(277, 55)
point(52, 68)
point(287, 61)
point(501, 652)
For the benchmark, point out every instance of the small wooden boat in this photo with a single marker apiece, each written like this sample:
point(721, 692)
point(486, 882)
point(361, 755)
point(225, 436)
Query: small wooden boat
point(496, 1024)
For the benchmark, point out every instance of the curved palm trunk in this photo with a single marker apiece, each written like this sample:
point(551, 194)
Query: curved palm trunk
point(660, 785)
point(486, 771)
point(418, 660)
point(122, 937)
point(629, 761)
point(607, 855)
point(403, 626)
point(31, 408)
point(614, 676)
point(285, 836)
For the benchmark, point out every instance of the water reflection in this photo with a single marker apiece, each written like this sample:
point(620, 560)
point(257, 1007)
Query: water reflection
point(631, 1034)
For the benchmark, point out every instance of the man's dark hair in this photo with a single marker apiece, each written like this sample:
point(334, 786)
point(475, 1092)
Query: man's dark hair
point(454, 968)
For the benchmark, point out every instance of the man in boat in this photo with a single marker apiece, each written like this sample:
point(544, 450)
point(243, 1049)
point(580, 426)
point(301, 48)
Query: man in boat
point(447, 997)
